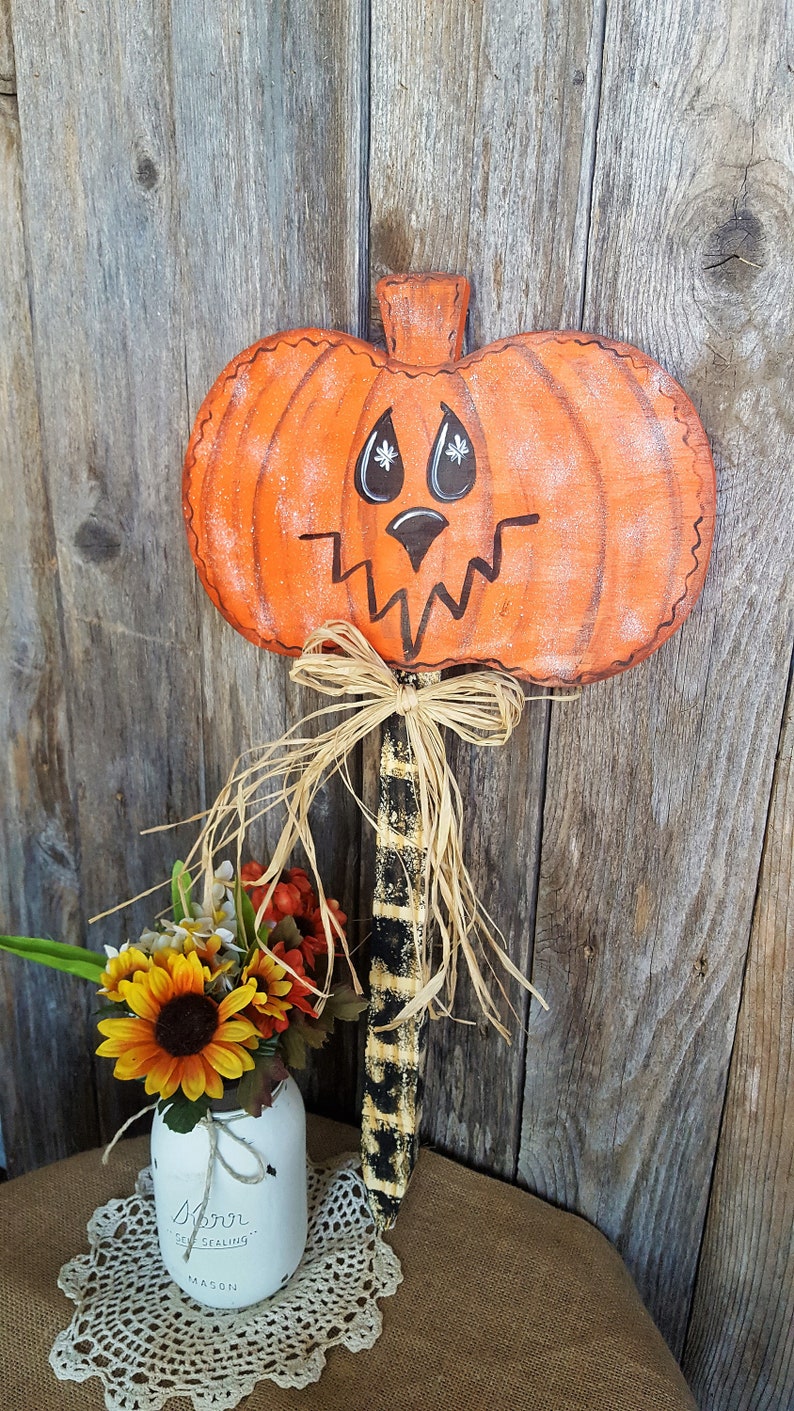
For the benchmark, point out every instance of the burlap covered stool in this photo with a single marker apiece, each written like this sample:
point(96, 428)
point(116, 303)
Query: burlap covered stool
point(506, 1302)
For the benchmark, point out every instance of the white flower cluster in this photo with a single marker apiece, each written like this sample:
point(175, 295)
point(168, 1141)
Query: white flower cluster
point(221, 925)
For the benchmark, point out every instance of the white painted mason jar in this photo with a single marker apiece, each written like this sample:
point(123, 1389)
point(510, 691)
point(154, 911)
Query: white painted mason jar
point(251, 1236)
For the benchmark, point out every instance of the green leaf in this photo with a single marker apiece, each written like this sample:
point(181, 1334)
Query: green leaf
point(314, 1032)
point(246, 916)
point(181, 886)
point(180, 1114)
point(345, 1004)
point(256, 1087)
point(287, 931)
point(73, 960)
point(293, 1046)
point(111, 1009)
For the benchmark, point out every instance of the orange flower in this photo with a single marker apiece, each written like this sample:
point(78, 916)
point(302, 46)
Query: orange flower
point(313, 942)
point(293, 896)
point(290, 894)
point(277, 991)
point(179, 1034)
point(301, 985)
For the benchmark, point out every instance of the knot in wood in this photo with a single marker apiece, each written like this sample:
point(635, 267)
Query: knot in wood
point(406, 699)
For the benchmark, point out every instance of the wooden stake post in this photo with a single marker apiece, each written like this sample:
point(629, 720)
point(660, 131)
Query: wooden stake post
point(394, 1061)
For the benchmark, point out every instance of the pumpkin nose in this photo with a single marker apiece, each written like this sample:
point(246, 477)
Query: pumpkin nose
point(416, 530)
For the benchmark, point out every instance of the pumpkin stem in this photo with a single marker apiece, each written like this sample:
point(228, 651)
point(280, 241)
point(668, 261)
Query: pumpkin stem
point(423, 317)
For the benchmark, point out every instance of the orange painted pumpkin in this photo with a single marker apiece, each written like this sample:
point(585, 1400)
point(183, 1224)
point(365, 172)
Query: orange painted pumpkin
point(545, 504)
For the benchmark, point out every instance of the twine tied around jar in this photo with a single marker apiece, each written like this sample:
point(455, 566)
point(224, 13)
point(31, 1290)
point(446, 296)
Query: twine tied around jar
point(208, 1121)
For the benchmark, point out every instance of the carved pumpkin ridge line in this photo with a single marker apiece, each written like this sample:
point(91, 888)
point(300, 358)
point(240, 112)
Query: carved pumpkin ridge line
point(246, 359)
point(653, 422)
point(648, 648)
point(327, 352)
point(187, 484)
point(629, 370)
point(557, 390)
point(688, 424)
point(218, 452)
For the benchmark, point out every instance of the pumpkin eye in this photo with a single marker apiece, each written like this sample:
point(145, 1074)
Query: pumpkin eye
point(452, 468)
point(379, 468)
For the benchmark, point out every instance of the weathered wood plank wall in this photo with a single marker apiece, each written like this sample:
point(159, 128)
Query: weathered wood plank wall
point(177, 179)
point(45, 1016)
point(739, 1349)
point(657, 790)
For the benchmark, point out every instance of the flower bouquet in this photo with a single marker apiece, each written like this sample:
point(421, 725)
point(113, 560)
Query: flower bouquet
point(210, 1009)
point(214, 995)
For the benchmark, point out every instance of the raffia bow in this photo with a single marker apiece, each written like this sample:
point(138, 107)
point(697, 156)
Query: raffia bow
point(482, 707)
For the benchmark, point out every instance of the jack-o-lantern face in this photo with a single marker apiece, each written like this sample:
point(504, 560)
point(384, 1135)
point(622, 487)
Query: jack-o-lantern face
point(546, 504)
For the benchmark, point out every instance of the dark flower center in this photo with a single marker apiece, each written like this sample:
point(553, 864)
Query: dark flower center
point(186, 1024)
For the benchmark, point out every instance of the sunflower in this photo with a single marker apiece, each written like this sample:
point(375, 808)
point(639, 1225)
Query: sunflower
point(121, 966)
point(277, 991)
point(178, 1034)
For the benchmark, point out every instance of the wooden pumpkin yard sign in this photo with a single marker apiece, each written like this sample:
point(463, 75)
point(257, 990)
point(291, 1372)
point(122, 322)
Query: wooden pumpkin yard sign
point(542, 507)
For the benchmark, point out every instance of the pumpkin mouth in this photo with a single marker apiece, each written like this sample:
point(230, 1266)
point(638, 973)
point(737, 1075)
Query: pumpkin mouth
point(412, 643)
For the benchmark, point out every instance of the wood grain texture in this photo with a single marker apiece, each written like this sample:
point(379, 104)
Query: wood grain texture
point(493, 183)
point(270, 131)
point(94, 98)
point(8, 80)
point(48, 1108)
point(740, 1344)
point(657, 786)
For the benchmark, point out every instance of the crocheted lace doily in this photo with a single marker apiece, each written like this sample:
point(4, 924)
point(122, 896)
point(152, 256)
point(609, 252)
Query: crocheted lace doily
point(148, 1341)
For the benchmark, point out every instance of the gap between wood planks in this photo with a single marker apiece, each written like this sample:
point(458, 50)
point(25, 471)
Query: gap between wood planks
point(592, 160)
point(727, 1090)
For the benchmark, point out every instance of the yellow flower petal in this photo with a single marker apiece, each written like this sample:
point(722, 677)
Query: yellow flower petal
point(121, 967)
point(233, 1031)
point(169, 1088)
point(238, 999)
point(224, 1060)
point(128, 1031)
point(213, 1083)
point(160, 984)
point(189, 975)
point(140, 1000)
point(160, 1072)
point(193, 1080)
point(134, 1063)
point(165, 958)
